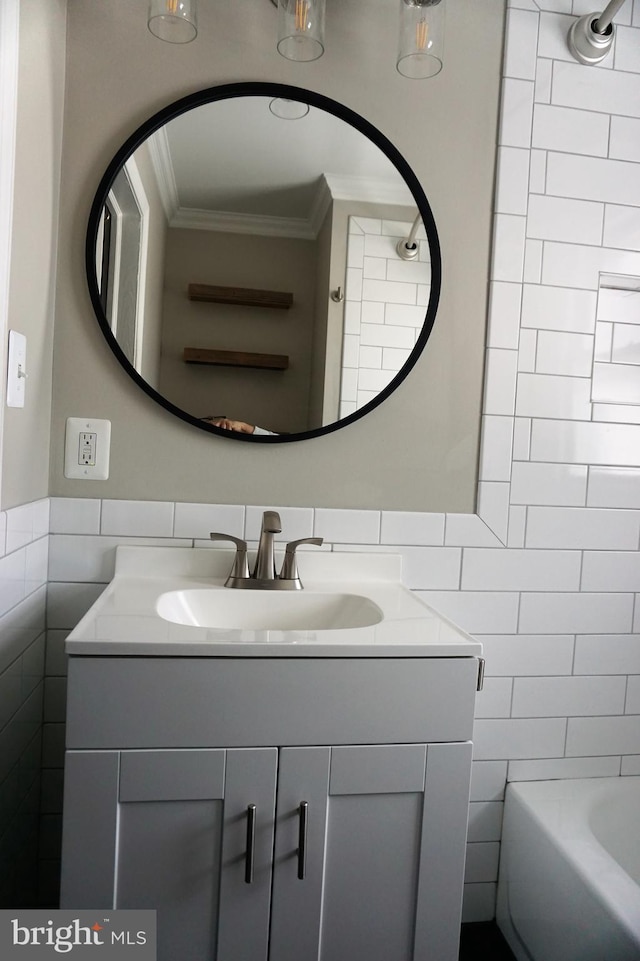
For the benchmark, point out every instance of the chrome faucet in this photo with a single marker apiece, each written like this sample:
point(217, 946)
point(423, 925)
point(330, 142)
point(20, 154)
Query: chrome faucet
point(265, 567)
point(264, 575)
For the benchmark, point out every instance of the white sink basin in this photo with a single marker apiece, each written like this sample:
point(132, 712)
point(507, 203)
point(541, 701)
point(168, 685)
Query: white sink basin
point(170, 601)
point(230, 609)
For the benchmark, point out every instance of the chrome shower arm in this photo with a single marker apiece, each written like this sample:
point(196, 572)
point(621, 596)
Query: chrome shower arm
point(607, 15)
point(414, 230)
point(408, 249)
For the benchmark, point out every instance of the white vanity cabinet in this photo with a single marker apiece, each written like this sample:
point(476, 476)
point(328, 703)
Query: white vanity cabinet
point(166, 830)
point(290, 809)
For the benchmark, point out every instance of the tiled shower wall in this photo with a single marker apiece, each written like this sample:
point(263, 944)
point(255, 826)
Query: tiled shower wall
point(547, 574)
point(385, 302)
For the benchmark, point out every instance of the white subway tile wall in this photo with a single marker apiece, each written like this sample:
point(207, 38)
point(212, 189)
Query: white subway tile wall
point(23, 589)
point(547, 574)
point(384, 307)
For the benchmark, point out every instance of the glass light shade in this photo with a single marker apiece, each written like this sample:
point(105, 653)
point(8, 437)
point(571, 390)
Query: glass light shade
point(175, 21)
point(288, 109)
point(421, 38)
point(301, 29)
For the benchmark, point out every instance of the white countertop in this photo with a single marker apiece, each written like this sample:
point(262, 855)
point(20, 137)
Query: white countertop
point(124, 621)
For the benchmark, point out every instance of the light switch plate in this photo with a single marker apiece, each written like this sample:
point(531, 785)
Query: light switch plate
point(86, 448)
point(16, 369)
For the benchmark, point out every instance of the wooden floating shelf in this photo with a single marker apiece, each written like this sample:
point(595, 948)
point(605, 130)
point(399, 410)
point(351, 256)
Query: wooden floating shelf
point(235, 358)
point(240, 296)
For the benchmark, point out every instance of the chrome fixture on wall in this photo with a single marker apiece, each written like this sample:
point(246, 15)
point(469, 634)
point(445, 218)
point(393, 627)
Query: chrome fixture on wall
point(300, 32)
point(408, 249)
point(591, 37)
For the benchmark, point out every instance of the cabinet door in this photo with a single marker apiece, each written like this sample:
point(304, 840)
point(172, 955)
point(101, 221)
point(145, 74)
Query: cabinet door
point(168, 830)
point(381, 871)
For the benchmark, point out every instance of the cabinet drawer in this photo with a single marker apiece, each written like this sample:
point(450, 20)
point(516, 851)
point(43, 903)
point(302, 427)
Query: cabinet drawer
point(210, 702)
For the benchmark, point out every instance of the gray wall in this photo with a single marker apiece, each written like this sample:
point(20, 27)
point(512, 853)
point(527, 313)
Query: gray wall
point(34, 244)
point(118, 74)
point(275, 399)
point(24, 529)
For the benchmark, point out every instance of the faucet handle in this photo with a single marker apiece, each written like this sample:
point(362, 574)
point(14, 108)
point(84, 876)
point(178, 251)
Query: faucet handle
point(240, 566)
point(289, 570)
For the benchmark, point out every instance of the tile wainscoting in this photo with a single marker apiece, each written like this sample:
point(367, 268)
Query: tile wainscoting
point(562, 692)
point(24, 544)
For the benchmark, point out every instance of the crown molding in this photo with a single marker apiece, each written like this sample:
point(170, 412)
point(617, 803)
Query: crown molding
point(163, 168)
point(192, 218)
point(330, 187)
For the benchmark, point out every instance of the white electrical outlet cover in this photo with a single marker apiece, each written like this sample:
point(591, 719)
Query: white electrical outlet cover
point(73, 466)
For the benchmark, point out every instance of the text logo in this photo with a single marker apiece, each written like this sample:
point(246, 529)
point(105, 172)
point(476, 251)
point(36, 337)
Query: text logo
point(80, 935)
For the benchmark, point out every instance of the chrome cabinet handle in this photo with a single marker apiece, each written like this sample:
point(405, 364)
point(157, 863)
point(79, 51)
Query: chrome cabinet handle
point(303, 813)
point(480, 681)
point(251, 844)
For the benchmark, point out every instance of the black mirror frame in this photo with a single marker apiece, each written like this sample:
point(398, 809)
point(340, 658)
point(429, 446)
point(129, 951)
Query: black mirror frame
point(252, 89)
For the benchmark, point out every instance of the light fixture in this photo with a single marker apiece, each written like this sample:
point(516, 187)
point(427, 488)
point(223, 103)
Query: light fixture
point(301, 29)
point(591, 37)
point(420, 38)
point(173, 20)
point(288, 109)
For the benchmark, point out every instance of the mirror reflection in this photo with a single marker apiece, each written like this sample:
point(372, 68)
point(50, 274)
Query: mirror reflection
point(244, 257)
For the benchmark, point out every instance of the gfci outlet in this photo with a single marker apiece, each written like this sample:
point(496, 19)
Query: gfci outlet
point(86, 448)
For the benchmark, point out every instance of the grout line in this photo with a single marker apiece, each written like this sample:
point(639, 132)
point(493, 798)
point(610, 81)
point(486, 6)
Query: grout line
point(566, 736)
point(581, 572)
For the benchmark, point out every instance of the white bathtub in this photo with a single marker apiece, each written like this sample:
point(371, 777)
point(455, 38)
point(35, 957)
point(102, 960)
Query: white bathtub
point(569, 884)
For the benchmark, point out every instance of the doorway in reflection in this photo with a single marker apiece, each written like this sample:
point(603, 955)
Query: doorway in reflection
point(121, 261)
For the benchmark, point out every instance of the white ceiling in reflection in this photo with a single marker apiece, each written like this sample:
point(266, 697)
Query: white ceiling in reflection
point(235, 156)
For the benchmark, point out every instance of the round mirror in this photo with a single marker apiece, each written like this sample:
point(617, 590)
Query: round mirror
point(259, 256)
